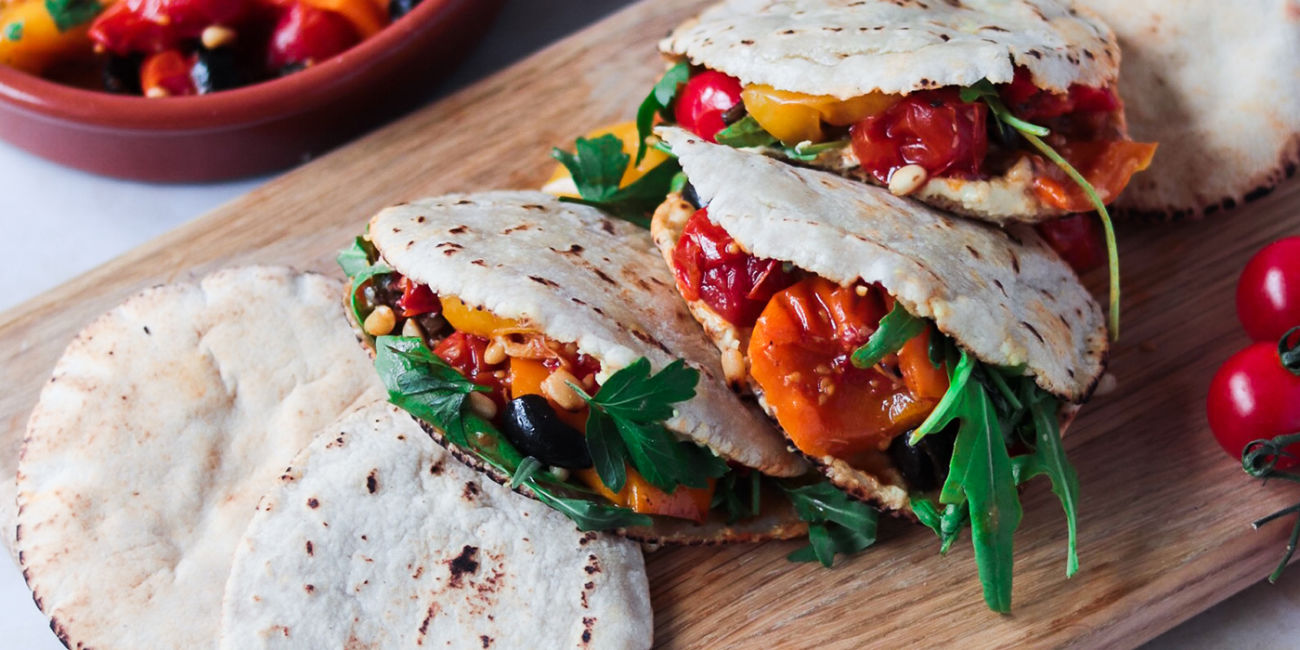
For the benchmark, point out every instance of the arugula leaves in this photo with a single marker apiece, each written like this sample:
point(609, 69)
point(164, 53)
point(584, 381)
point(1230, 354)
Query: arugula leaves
point(360, 263)
point(985, 91)
point(72, 13)
point(746, 132)
point(896, 328)
point(837, 523)
point(425, 386)
point(597, 167)
point(659, 101)
point(625, 426)
point(739, 494)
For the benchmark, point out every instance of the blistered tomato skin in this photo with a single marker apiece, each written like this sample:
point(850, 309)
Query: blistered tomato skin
point(1268, 293)
point(1078, 239)
point(416, 299)
point(1252, 397)
point(152, 26)
point(464, 352)
point(1028, 102)
point(306, 35)
point(709, 266)
point(703, 100)
point(933, 129)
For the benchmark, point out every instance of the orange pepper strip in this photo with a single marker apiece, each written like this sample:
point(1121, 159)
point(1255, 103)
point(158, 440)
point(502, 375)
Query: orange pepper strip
point(921, 377)
point(1107, 165)
point(639, 495)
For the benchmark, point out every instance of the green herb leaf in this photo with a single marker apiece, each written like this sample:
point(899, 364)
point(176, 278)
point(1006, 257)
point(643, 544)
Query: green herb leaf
point(360, 262)
point(949, 405)
point(597, 168)
point(809, 152)
point(72, 13)
point(660, 100)
point(13, 32)
point(746, 132)
point(635, 403)
point(738, 493)
point(589, 515)
point(985, 91)
point(606, 449)
point(896, 328)
point(838, 524)
point(1049, 459)
point(955, 517)
point(527, 469)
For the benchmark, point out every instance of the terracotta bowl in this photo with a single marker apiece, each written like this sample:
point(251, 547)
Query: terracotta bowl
point(248, 130)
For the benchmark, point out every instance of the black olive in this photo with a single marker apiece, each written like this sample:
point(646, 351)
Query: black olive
point(215, 70)
point(530, 423)
point(1004, 133)
point(924, 466)
point(690, 196)
point(399, 8)
point(122, 74)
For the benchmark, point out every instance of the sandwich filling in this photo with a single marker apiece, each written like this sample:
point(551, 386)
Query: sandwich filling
point(944, 144)
point(888, 407)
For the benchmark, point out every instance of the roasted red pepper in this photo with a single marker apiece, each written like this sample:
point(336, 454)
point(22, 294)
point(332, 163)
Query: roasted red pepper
point(152, 26)
point(464, 352)
point(1029, 102)
point(416, 299)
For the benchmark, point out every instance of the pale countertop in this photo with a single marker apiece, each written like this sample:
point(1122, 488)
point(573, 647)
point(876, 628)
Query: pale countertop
point(62, 222)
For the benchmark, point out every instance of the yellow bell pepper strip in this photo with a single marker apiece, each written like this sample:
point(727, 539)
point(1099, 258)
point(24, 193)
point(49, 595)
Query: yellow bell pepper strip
point(469, 320)
point(31, 41)
point(796, 117)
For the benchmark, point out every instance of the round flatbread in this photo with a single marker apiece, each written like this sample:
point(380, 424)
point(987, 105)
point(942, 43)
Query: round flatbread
point(1218, 86)
point(849, 48)
point(378, 538)
point(165, 420)
point(578, 277)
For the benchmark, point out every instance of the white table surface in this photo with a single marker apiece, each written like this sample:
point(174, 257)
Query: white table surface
point(60, 222)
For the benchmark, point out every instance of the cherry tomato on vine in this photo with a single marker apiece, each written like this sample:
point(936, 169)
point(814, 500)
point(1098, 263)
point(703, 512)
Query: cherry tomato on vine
point(1268, 293)
point(1255, 396)
point(703, 100)
point(1078, 239)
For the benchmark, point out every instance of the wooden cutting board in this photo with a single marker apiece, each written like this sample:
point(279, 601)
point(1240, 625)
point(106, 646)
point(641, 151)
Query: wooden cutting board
point(1164, 517)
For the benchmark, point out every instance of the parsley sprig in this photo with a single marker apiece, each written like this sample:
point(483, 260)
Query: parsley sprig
point(837, 524)
point(986, 92)
point(625, 427)
point(72, 13)
point(597, 167)
point(659, 102)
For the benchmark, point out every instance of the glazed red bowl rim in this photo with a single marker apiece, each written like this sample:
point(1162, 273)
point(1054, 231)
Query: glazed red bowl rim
point(259, 102)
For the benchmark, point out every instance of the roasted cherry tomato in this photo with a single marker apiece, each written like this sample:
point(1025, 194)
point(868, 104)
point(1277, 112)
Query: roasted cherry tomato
point(1268, 293)
point(464, 352)
point(152, 26)
point(703, 100)
point(1078, 239)
point(167, 74)
point(799, 354)
point(934, 129)
point(1107, 164)
point(416, 299)
point(1254, 396)
point(306, 35)
point(1028, 102)
point(710, 266)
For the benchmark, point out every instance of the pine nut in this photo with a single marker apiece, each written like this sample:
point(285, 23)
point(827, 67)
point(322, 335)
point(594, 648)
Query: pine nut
point(561, 474)
point(733, 365)
point(380, 322)
point(412, 329)
point(482, 405)
point(215, 36)
point(556, 389)
point(495, 353)
point(907, 179)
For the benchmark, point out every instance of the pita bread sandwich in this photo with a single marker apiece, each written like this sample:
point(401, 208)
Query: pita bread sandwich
point(375, 537)
point(966, 106)
point(922, 362)
point(163, 423)
point(543, 343)
point(1219, 86)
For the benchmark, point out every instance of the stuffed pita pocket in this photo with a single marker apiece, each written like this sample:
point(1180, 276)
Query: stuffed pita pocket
point(375, 537)
point(544, 343)
point(950, 103)
point(921, 361)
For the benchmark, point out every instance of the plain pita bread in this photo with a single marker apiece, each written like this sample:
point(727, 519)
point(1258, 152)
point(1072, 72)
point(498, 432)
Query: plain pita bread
point(378, 538)
point(1003, 295)
point(1218, 85)
point(164, 422)
point(848, 48)
point(577, 277)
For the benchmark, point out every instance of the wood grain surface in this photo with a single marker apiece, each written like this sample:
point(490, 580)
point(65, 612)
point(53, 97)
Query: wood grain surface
point(1164, 519)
